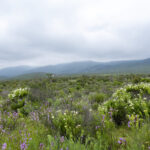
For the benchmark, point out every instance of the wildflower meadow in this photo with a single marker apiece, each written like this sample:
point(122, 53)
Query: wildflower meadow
point(83, 112)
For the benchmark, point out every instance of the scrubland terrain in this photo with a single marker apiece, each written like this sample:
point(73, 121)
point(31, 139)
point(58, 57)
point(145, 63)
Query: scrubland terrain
point(84, 112)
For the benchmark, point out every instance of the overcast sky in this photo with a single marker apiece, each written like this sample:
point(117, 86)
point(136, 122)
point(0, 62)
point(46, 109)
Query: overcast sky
point(42, 32)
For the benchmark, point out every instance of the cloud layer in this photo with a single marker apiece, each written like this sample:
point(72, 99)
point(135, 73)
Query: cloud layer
point(35, 32)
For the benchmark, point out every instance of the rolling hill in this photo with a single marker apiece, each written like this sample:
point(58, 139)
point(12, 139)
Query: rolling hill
point(85, 67)
point(14, 71)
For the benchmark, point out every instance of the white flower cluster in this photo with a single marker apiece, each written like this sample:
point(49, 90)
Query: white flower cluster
point(74, 112)
point(123, 92)
point(18, 93)
point(124, 96)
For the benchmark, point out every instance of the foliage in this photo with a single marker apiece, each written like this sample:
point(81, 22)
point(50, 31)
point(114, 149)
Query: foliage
point(18, 93)
point(18, 100)
point(132, 99)
point(87, 112)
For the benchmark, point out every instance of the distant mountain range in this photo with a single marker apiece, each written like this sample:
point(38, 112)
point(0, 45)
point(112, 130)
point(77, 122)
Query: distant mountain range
point(85, 67)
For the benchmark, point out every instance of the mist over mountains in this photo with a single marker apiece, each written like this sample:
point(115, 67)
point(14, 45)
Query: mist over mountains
point(84, 67)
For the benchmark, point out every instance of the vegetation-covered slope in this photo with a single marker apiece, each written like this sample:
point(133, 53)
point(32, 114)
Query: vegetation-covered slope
point(76, 112)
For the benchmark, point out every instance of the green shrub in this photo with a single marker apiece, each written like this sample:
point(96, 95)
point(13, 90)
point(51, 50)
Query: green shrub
point(95, 106)
point(129, 100)
point(68, 123)
point(18, 93)
point(98, 98)
point(18, 98)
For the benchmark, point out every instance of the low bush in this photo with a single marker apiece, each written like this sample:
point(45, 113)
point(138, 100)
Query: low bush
point(129, 100)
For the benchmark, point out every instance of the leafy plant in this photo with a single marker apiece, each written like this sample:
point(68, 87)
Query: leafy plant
point(129, 100)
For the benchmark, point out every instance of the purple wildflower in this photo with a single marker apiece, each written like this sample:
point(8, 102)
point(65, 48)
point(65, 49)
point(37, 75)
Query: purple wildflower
point(103, 117)
point(129, 124)
point(110, 115)
point(15, 115)
point(97, 127)
point(4, 146)
point(52, 144)
point(41, 145)
point(62, 139)
point(1, 127)
point(67, 148)
point(119, 142)
point(34, 116)
point(135, 119)
point(23, 146)
point(122, 141)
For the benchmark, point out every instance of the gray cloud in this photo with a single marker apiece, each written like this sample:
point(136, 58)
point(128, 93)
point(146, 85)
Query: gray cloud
point(55, 31)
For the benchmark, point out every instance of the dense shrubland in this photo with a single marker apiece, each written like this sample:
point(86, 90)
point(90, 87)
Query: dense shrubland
point(76, 112)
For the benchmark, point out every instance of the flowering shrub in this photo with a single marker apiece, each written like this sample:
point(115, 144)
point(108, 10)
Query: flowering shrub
point(68, 123)
point(132, 99)
point(18, 98)
point(18, 93)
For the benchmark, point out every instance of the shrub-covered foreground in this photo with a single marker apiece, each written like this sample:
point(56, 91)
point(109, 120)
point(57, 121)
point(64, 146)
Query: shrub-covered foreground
point(72, 113)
